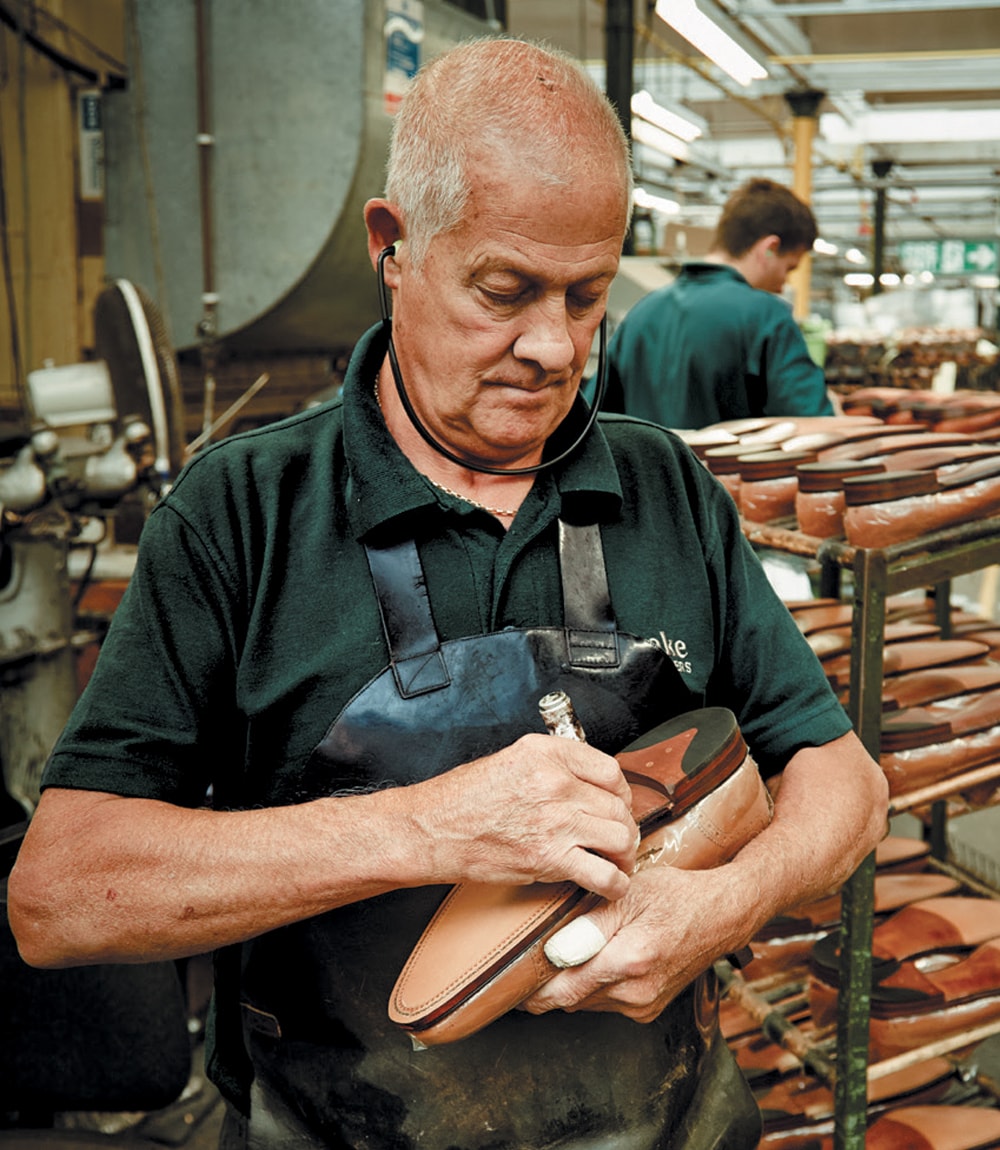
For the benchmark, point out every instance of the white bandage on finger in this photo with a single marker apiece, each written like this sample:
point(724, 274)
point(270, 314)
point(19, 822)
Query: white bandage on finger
point(576, 943)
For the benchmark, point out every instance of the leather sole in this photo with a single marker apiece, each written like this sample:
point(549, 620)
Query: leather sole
point(931, 1128)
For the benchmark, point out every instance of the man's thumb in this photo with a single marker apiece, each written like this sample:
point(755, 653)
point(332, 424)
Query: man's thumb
point(576, 943)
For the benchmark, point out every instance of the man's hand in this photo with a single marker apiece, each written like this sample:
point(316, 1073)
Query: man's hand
point(541, 810)
point(658, 941)
point(830, 811)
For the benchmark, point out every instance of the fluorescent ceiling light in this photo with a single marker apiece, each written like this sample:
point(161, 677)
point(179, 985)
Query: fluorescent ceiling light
point(889, 279)
point(645, 106)
point(854, 256)
point(653, 137)
point(912, 125)
point(643, 199)
point(824, 247)
point(685, 17)
point(859, 279)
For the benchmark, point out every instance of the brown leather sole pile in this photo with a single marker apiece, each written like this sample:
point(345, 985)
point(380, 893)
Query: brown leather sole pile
point(964, 410)
point(935, 976)
point(854, 477)
point(940, 696)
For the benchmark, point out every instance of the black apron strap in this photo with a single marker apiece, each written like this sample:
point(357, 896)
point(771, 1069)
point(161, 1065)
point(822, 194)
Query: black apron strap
point(411, 636)
point(590, 623)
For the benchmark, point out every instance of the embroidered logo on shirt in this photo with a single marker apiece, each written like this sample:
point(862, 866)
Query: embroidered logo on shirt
point(675, 649)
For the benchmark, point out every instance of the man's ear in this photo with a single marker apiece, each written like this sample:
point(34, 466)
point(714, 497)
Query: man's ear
point(384, 229)
point(770, 246)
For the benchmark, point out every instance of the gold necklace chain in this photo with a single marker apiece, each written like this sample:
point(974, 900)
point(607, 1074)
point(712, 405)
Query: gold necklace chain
point(504, 512)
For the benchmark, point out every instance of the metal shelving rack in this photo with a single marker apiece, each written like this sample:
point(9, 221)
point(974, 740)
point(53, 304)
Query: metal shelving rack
point(929, 561)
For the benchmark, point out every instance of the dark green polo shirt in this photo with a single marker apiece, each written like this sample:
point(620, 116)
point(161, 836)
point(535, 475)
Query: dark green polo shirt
point(709, 347)
point(251, 619)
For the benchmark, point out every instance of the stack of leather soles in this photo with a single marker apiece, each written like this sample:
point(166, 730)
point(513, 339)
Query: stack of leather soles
point(935, 973)
point(940, 696)
point(893, 489)
point(934, 1101)
point(757, 461)
point(874, 484)
point(782, 949)
point(965, 410)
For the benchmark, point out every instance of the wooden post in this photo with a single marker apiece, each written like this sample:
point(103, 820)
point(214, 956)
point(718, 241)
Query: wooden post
point(804, 105)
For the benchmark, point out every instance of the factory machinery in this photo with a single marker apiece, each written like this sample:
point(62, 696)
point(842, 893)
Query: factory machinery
point(238, 155)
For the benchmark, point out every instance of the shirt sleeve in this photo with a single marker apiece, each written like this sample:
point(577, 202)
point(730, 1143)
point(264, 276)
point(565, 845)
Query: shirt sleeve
point(157, 718)
point(765, 670)
point(794, 383)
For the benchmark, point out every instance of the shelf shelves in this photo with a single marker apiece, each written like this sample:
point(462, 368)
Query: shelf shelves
point(929, 561)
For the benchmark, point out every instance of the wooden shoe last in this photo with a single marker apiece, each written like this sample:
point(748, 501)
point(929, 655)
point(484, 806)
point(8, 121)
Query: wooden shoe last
point(900, 507)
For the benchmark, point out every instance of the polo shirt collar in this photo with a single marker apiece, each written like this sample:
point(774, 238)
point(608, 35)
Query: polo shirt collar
point(384, 486)
point(705, 269)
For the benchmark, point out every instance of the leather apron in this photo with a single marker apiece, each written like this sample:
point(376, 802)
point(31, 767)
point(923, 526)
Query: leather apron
point(330, 1069)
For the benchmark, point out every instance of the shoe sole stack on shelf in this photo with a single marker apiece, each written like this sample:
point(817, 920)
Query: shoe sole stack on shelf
point(857, 479)
point(829, 489)
point(940, 696)
point(935, 1021)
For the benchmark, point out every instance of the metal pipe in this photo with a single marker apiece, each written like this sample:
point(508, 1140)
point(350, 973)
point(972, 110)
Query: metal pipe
point(208, 326)
point(838, 8)
point(932, 1050)
point(880, 169)
point(918, 54)
point(233, 409)
point(619, 59)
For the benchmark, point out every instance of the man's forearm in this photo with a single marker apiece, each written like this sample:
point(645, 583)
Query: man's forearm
point(140, 880)
point(830, 812)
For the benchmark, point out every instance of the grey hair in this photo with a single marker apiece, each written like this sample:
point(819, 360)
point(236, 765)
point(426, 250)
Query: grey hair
point(533, 103)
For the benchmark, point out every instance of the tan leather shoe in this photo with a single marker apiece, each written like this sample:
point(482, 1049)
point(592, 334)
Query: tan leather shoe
point(697, 797)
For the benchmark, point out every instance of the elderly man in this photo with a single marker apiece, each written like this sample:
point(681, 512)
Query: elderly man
point(333, 630)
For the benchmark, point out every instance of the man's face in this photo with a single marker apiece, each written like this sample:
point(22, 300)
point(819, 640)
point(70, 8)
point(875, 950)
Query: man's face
point(493, 330)
point(778, 266)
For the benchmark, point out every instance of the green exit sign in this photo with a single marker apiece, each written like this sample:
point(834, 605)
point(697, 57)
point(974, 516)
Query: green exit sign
point(950, 257)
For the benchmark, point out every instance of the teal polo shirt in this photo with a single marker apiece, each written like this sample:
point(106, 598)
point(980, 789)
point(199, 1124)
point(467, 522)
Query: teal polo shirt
point(709, 347)
point(251, 620)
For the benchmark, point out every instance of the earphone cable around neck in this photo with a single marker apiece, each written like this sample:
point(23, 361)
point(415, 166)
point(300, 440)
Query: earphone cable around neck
point(397, 375)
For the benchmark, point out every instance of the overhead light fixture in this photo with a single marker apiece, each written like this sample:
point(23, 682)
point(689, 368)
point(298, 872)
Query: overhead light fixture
point(912, 125)
point(647, 108)
point(859, 279)
point(855, 256)
point(643, 199)
point(643, 132)
point(686, 18)
point(824, 247)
